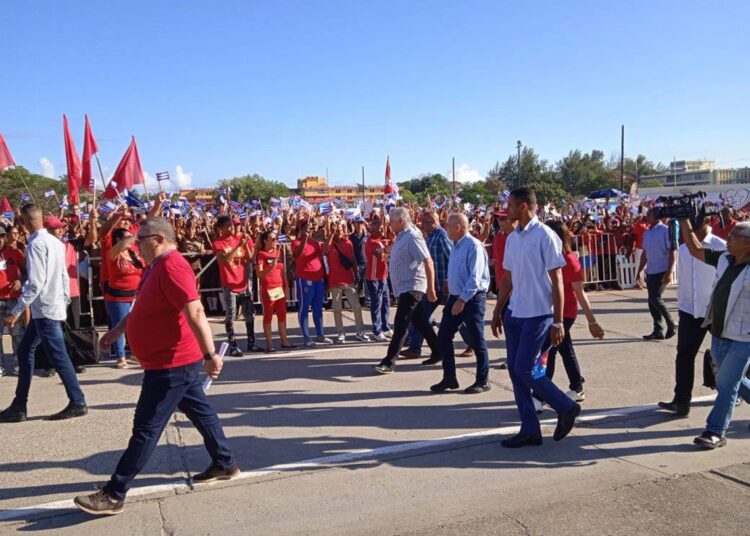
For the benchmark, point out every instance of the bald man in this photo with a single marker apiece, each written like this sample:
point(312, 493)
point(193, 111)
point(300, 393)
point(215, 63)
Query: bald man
point(468, 281)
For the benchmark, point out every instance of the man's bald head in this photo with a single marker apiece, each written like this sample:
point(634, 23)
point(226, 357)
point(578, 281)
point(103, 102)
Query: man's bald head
point(457, 226)
point(32, 217)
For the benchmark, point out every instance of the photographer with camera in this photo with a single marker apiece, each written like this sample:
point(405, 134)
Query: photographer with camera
point(658, 257)
point(728, 320)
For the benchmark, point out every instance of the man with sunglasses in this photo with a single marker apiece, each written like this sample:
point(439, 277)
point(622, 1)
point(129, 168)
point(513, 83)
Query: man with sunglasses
point(169, 332)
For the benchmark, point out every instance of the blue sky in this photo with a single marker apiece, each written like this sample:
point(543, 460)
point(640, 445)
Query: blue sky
point(290, 88)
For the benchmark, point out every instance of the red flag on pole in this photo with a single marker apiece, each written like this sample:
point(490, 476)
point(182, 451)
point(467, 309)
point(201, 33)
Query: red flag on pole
point(390, 187)
point(89, 150)
point(5, 205)
point(74, 164)
point(6, 159)
point(128, 172)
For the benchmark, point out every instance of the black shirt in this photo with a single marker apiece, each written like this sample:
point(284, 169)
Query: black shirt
point(358, 241)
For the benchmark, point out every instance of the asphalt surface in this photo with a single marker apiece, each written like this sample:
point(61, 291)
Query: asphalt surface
point(381, 463)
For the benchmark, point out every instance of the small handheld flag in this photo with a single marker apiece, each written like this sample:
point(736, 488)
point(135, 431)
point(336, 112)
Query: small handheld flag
point(162, 176)
point(540, 364)
point(49, 193)
point(25, 197)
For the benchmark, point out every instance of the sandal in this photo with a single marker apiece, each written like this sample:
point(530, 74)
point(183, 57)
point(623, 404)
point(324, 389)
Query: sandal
point(254, 348)
point(288, 346)
point(270, 349)
point(121, 364)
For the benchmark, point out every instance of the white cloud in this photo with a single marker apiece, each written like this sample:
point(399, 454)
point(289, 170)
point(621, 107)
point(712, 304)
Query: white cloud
point(179, 180)
point(48, 168)
point(465, 173)
point(182, 179)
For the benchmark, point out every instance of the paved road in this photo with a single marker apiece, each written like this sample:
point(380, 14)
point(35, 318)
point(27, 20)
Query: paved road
point(381, 460)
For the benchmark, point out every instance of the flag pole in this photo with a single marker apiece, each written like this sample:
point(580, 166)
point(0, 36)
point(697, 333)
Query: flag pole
point(27, 187)
point(101, 173)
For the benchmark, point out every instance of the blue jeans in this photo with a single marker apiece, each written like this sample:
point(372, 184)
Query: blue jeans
point(524, 338)
point(50, 334)
point(380, 305)
point(472, 317)
point(162, 392)
point(116, 311)
point(732, 359)
point(310, 295)
point(415, 338)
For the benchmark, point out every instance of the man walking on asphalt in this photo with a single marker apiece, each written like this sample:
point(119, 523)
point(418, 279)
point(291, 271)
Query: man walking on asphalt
point(468, 281)
point(168, 331)
point(47, 292)
point(533, 280)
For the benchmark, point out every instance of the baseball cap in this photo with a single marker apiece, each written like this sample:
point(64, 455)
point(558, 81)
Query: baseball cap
point(359, 219)
point(53, 222)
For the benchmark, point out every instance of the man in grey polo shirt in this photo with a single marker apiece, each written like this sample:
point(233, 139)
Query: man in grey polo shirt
point(658, 258)
point(412, 276)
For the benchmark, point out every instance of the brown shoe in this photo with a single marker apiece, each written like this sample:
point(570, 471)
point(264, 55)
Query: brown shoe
point(214, 473)
point(409, 354)
point(466, 353)
point(99, 504)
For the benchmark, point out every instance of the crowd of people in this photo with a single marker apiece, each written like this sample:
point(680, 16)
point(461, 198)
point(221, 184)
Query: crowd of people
point(535, 260)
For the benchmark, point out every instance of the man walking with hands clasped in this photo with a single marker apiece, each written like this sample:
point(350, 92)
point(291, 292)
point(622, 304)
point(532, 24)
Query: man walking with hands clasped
point(533, 279)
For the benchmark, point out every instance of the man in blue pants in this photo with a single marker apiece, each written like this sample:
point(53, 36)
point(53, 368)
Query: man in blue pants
point(533, 280)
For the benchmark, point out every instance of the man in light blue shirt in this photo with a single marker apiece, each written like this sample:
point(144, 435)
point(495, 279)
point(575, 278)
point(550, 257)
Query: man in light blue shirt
point(533, 279)
point(46, 292)
point(658, 257)
point(468, 281)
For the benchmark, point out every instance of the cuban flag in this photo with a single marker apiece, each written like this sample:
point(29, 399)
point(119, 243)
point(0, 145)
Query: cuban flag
point(106, 208)
point(326, 207)
point(214, 211)
point(133, 200)
point(235, 205)
point(49, 193)
point(64, 202)
point(338, 203)
point(305, 204)
point(200, 204)
point(8, 215)
point(283, 239)
point(540, 364)
point(25, 197)
point(225, 191)
point(503, 197)
point(165, 205)
point(275, 202)
point(85, 216)
point(255, 202)
point(162, 176)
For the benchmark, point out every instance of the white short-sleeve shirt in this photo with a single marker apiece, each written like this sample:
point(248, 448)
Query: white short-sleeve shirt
point(529, 254)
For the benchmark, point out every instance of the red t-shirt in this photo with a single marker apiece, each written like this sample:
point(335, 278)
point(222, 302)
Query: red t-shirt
point(71, 264)
point(274, 278)
point(309, 263)
point(571, 273)
point(338, 275)
point(157, 329)
point(377, 268)
point(14, 262)
point(122, 274)
point(723, 232)
point(498, 253)
point(638, 229)
point(232, 273)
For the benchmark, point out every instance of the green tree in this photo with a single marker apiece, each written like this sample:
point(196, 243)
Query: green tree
point(651, 183)
point(476, 193)
point(254, 186)
point(11, 186)
point(533, 169)
point(548, 190)
point(428, 183)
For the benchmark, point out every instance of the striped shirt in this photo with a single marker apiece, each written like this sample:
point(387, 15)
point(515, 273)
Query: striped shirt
point(440, 247)
point(406, 266)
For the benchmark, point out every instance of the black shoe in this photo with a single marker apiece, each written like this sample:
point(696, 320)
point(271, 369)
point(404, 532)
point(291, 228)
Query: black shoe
point(69, 412)
point(477, 388)
point(385, 368)
point(254, 348)
point(565, 422)
point(46, 373)
point(444, 385)
point(12, 414)
point(655, 336)
point(213, 473)
point(670, 333)
point(80, 369)
point(682, 410)
point(710, 440)
point(503, 365)
point(521, 440)
point(99, 504)
point(433, 360)
point(235, 351)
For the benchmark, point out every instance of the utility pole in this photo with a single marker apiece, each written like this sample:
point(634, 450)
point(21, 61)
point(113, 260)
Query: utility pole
point(454, 176)
point(622, 159)
point(363, 184)
point(674, 170)
point(518, 146)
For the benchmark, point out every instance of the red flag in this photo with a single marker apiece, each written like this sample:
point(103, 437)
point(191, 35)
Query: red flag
point(389, 188)
point(89, 150)
point(5, 205)
point(128, 172)
point(74, 164)
point(6, 159)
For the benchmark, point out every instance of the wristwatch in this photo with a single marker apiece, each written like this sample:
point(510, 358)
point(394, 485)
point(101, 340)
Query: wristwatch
point(558, 325)
point(208, 356)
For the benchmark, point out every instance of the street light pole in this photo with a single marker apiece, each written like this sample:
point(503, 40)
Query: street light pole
point(454, 177)
point(518, 146)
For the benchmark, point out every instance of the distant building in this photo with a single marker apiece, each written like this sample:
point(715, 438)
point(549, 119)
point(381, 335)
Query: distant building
point(316, 189)
point(698, 173)
point(199, 194)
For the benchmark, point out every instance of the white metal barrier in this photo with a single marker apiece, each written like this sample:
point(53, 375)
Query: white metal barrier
point(596, 253)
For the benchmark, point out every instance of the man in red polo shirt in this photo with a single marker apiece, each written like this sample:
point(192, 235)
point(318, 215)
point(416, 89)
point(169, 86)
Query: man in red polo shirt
point(169, 333)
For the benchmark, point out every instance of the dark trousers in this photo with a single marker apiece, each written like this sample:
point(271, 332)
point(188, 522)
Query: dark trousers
point(690, 336)
point(162, 392)
point(380, 305)
point(570, 360)
point(656, 305)
point(472, 319)
point(410, 309)
point(50, 334)
point(74, 313)
point(232, 302)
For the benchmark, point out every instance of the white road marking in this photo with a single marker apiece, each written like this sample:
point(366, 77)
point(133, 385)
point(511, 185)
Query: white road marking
point(27, 512)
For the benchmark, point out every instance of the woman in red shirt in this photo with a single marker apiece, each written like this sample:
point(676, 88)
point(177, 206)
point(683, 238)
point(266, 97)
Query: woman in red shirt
point(574, 295)
point(124, 269)
point(273, 289)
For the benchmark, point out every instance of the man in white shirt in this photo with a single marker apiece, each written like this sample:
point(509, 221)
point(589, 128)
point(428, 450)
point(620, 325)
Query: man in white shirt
point(533, 279)
point(47, 293)
point(694, 279)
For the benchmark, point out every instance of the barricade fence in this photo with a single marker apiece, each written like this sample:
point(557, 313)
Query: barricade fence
point(597, 255)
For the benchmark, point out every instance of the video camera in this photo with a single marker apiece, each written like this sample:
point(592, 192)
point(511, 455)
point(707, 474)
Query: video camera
point(686, 206)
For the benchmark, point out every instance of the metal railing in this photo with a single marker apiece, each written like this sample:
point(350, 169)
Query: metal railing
point(597, 255)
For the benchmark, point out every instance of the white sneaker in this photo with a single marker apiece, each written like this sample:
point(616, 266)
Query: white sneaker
point(538, 405)
point(576, 396)
point(323, 340)
point(380, 337)
point(362, 336)
point(388, 334)
point(309, 343)
point(341, 339)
